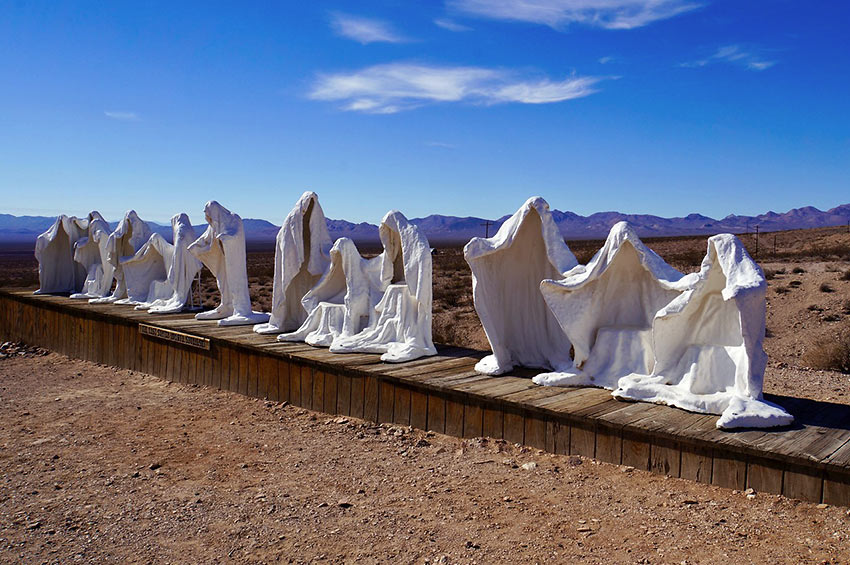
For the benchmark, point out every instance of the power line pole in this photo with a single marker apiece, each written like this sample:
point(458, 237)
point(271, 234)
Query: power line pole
point(487, 224)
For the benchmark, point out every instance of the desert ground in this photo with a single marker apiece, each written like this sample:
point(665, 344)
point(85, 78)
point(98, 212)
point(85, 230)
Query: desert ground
point(106, 465)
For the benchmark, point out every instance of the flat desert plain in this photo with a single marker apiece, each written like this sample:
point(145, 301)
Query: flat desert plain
point(101, 464)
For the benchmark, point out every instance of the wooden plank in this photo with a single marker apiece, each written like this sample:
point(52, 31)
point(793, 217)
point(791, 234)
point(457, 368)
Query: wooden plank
point(836, 488)
point(418, 409)
point(513, 427)
point(535, 432)
point(764, 476)
point(728, 471)
point(436, 413)
point(493, 420)
point(307, 387)
point(343, 395)
point(330, 392)
point(583, 439)
point(636, 449)
point(665, 457)
point(385, 403)
point(609, 445)
point(371, 399)
point(295, 384)
point(454, 418)
point(357, 396)
point(695, 464)
point(473, 420)
point(318, 400)
point(283, 380)
point(401, 407)
point(805, 484)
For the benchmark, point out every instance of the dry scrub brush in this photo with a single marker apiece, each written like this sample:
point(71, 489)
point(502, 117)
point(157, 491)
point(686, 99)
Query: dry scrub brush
point(831, 353)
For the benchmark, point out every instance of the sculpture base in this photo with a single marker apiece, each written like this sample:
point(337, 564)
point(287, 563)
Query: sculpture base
point(244, 319)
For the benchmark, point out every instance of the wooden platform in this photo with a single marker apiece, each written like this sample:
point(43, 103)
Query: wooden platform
point(809, 461)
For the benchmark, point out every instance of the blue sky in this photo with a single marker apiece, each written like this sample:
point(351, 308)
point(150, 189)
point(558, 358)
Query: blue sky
point(462, 107)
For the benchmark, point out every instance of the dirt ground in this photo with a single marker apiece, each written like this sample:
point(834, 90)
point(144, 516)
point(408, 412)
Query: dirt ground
point(106, 465)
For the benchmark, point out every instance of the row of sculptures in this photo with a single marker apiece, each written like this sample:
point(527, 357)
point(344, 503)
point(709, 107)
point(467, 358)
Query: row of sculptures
point(626, 321)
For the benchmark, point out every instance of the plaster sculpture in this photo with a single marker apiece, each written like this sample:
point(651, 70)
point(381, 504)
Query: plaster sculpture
point(506, 273)
point(124, 242)
point(606, 310)
point(301, 256)
point(708, 344)
point(91, 252)
point(343, 301)
point(222, 249)
point(159, 276)
point(400, 324)
point(54, 251)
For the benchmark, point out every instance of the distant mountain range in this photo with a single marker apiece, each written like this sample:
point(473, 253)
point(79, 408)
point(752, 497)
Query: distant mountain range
point(451, 229)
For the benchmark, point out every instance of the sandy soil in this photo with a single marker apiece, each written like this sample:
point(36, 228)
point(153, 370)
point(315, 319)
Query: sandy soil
point(106, 465)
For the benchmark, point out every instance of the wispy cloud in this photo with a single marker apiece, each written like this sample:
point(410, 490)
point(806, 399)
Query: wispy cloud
point(451, 25)
point(123, 116)
point(364, 30)
point(440, 144)
point(607, 59)
point(608, 14)
point(394, 87)
point(735, 55)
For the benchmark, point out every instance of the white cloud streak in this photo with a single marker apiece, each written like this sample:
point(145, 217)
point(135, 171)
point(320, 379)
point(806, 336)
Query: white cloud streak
point(123, 116)
point(451, 25)
point(364, 30)
point(394, 87)
point(558, 14)
point(734, 55)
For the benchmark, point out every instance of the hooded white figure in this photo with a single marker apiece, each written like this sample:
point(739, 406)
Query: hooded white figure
point(343, 302)
point(708, 344)
point(130, 235)
point(400, 324)
point(54, 251)
point(300, 258)
point(159, 276)
point(91, 252)
point(222, 249)
point(506, 273)
point(606, 309)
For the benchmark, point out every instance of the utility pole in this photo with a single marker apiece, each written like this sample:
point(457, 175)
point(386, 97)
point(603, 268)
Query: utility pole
point(757, 239)
point(487, 224)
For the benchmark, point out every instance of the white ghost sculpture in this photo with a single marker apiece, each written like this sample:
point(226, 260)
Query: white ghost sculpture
point(343, 302)
point(159, 276)
point(130, 235)
point(54, 251)
point(606, 309)
point(709, 344)
point(222, 249)
point(300, 258)
point(91, 252)
point(400, 326)
point(506, 273)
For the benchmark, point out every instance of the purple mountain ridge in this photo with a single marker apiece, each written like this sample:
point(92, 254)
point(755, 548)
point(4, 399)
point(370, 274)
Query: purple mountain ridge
point(442, 230)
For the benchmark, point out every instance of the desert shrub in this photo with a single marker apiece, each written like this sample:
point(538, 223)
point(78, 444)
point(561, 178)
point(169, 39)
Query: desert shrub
point(824, 287)
point(769, 274)
point(831, 354)
point(780, 271)
point(831, 318)
point(798, 270)
point(815, 308)
point(795, 284)
point(782, 289)
point(845, 276)
point(847, 306)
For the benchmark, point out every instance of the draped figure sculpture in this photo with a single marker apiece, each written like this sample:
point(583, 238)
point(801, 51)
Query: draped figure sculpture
point(606, 309)
point(222, 249)
point(91, 252)
point(343, 302)
point(54, 251)
point(123, 243)
point(300, 258)
point(708, 344)
point(506, 273)
point(400, 323)
point(159, 276)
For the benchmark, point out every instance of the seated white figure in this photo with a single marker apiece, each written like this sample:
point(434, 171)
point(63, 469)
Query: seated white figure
point(400, 325)
point(506, 273)
point(301, 256)
point(606, 309)
point(130, 235)
point(159, 276)
point(222, 249)
point(91, 252)
point(343, 301)
point(709, 344)
point(54, 251)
